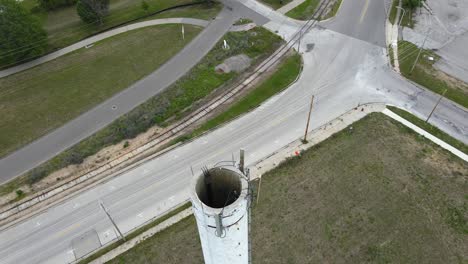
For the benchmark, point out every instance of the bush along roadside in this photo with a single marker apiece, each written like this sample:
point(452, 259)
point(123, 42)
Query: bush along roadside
point(166, 107)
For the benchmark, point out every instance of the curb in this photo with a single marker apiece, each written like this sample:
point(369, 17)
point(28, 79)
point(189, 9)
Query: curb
point(138, 239)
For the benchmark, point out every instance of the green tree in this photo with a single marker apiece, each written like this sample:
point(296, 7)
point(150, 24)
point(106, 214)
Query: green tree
point(92, 11)
point(21, 34)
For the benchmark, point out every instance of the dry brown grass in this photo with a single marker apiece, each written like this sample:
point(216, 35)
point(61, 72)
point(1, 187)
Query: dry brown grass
point(377, 193)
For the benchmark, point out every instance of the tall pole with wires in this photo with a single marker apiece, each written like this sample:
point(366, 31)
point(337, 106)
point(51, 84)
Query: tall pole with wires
point(435, 106)
point(420, 50)
point(308, 120)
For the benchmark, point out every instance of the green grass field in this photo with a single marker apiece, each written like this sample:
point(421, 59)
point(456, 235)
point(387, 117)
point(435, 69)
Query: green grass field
point(35, 101)
point(355, 198)
point(426, 75)
point(64, 26)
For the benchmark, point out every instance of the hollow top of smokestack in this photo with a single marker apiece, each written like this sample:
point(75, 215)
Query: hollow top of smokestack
point(220, 187)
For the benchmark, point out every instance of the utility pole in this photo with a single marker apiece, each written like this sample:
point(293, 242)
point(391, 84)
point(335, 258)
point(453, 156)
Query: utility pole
point(112, 221)
point(308, 120)
point(438, 101)
point(420, 50)
point(259, 185)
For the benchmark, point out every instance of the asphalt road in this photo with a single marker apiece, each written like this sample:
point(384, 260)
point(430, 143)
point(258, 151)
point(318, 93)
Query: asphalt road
point(340, 69)
point(361, 21)
point(92, 121)
point(455, 58)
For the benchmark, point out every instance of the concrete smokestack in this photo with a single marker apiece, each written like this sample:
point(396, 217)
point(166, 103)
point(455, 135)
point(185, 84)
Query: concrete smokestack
point(220, 205)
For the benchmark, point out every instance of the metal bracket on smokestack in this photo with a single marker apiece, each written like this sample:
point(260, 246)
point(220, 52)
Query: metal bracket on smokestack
point(219, 225)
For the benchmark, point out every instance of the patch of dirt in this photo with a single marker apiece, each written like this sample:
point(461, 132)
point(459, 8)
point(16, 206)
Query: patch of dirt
point(451, 81)
point(89, 164)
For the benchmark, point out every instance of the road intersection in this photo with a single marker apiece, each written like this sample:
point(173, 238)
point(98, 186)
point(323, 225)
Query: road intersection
point(345, 65)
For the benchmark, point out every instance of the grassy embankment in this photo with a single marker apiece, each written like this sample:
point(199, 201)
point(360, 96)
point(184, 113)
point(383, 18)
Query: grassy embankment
point(426, 75)
point(170, 105)
point(356, 197)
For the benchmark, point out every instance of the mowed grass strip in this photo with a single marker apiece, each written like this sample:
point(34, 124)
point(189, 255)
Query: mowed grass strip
point(426, 75)
point(431, 129)
point(282, 77)
point(393, 12)
point(355, 198)
point(304, 11)
point(40, 99)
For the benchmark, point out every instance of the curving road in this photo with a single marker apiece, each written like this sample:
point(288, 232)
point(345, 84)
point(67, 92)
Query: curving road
point(341, 69)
